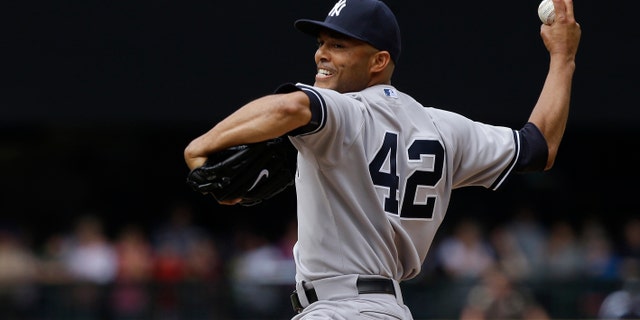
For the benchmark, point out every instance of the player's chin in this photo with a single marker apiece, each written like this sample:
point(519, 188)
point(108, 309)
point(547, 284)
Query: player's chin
point(325, 83)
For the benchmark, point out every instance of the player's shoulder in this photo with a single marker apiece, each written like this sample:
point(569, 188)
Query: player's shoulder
point(327, 94)
point(439, 114)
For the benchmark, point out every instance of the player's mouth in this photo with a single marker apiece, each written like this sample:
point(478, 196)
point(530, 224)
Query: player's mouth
point(323, 73)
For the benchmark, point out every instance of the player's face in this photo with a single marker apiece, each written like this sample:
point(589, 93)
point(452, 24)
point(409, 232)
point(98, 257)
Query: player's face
point(343, 63)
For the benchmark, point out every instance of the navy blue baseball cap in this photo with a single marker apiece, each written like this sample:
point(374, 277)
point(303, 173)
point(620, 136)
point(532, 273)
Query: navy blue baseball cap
point(368, 20)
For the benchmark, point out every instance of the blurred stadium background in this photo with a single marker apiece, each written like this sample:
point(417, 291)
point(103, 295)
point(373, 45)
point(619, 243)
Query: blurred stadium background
point(98, 100)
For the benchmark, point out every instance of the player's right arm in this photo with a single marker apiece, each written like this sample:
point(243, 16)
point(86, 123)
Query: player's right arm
point(265, 118)
point(551, 111)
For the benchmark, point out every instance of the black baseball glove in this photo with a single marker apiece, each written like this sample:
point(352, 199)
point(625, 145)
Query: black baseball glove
point(253, 172)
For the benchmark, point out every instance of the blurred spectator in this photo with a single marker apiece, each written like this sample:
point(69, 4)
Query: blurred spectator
point(203, 272)
point(600, 258)
point(175, 242)
point(601, 265)
point(169, 264)
point(465, 254)
point(88, 255)
point(130, 297)
point(499, 297)
point(630, 248)
point(18, 276)
point(563, 258)
point(179, 230)
point(135, 256)
point(624, 303)
point(53, 269)
point(172, 242)
point(18, 264)
point(202, 261)
point(531, 237)
point(168, 273)
point(509, 254)
point(258, 272)
point(91, 262)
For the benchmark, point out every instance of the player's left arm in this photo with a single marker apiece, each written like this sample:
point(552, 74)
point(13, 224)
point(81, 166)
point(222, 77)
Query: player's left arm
point(551, 111)
point(265, 118)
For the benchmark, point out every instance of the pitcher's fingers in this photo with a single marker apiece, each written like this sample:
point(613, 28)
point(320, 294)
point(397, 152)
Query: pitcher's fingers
point(563, 9)
point(569, 9)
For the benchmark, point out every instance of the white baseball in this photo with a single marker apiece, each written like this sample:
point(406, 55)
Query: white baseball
point(546, 12)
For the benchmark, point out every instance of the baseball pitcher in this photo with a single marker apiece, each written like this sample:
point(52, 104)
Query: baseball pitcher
point(374, 168)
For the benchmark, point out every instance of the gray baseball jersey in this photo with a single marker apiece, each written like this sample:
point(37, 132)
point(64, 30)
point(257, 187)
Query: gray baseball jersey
point(375, 174)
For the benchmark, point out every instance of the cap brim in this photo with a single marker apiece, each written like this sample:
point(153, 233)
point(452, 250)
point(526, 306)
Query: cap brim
point(313, 27)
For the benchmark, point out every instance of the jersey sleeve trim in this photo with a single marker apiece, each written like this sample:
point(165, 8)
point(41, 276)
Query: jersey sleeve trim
point(503, 176)
point(535, 151)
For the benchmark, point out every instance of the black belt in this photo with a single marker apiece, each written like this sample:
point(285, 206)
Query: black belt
point(364, 286)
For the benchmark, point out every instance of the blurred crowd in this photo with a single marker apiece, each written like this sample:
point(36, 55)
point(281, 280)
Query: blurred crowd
point(504, 263)
point(248, 270)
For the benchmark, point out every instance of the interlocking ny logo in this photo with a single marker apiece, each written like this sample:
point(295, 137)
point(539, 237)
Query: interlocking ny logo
point(337, 8)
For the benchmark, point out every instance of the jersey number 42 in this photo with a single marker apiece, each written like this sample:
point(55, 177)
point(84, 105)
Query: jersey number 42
point(417, 200)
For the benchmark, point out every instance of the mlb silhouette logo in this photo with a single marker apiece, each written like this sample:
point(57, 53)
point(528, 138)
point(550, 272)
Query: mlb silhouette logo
point(390, 93)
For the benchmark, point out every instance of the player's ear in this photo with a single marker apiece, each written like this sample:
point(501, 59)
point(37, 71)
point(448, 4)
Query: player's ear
point(380, 61)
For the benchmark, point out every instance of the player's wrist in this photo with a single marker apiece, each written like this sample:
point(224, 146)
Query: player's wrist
point(562, 64)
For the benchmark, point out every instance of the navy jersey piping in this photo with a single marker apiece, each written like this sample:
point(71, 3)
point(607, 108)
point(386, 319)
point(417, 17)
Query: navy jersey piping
point(503, 176)
point(316, 104)
point(318, 112)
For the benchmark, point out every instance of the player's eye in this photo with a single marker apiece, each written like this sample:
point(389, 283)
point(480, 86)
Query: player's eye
point(334, 44)
point(330, 44)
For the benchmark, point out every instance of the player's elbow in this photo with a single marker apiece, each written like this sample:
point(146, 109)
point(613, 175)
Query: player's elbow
point(188, 152)
point(551, 158)
point(536, 154)
point(192, 157)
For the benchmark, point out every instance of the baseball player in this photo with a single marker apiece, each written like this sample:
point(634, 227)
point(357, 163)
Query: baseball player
point(375, 168)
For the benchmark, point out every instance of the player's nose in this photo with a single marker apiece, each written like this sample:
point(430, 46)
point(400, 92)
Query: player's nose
point(321, 54)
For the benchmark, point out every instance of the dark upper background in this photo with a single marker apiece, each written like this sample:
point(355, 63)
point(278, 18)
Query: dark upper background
point(99, 98)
